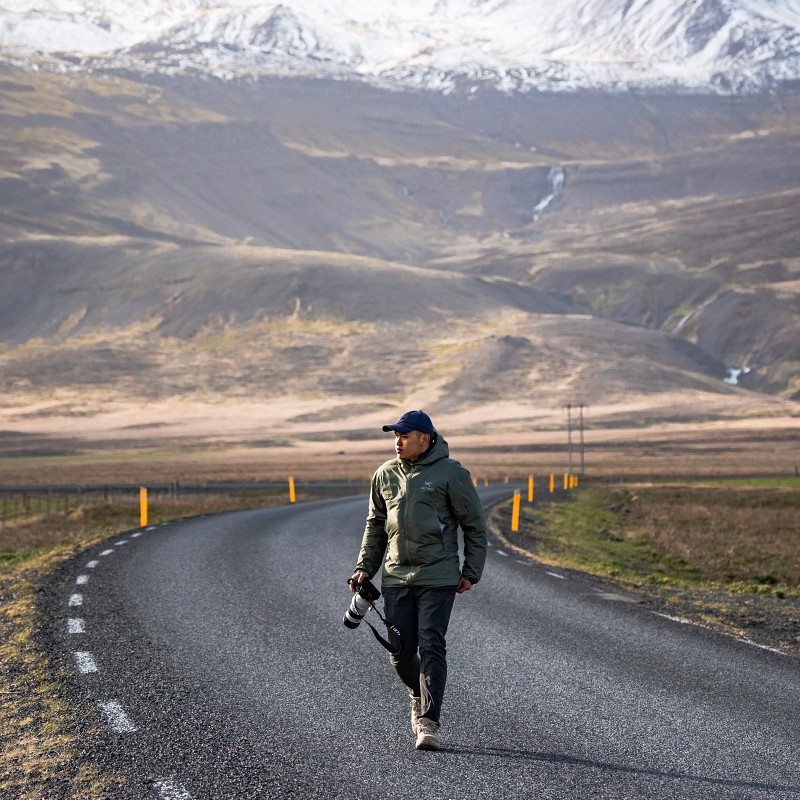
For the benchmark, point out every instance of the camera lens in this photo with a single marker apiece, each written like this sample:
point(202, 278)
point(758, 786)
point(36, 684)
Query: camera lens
point(355, 611)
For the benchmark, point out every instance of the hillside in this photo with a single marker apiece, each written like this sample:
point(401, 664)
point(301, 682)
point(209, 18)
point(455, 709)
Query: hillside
point(319, 245)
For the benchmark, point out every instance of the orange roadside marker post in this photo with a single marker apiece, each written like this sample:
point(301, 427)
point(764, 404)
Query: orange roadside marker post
point(142, 506)
point(515, 512)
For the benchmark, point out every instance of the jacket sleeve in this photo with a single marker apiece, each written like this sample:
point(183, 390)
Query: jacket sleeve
point(468, 509)
point(373, 543)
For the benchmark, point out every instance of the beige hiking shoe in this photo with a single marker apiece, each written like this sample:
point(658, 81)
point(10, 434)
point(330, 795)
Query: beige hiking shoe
point(416, 708)
point(427, 734)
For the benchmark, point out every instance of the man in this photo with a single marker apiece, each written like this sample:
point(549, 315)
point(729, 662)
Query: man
point(417, 502)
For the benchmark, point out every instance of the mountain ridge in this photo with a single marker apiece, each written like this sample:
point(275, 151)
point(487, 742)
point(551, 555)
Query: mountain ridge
point(728, 46)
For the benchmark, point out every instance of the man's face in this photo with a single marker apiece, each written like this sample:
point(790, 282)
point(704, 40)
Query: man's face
point(410, 446)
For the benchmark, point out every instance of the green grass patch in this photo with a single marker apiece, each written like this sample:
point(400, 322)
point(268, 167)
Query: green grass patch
point(744, 540)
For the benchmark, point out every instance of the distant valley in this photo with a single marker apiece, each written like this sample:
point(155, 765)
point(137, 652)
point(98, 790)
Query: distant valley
point(334, 252)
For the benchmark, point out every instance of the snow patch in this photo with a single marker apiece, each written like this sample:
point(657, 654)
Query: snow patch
point(512, 45)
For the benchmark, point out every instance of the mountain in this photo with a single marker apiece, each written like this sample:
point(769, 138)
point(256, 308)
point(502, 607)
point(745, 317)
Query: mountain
point(192, 226)
point(183, 237)
point(514, 45)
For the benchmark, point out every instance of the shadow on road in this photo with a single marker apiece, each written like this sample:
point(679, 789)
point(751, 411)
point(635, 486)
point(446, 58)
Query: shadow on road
point(555, 758)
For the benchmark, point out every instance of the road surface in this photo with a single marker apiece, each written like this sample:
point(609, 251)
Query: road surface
point(210, 656)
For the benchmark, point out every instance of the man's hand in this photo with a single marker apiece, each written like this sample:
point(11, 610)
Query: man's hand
point(359, 576)
point(463, 586)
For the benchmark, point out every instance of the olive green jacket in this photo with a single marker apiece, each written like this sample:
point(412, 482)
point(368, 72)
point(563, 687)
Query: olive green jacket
point(415, 509)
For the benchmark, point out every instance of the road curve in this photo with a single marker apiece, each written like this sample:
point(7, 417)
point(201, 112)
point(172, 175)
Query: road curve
point(210, 662)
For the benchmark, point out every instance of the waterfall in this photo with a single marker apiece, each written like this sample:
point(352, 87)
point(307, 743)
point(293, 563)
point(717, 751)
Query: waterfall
point(555, 180)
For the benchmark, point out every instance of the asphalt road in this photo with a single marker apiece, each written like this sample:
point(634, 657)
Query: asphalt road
point(210, 662)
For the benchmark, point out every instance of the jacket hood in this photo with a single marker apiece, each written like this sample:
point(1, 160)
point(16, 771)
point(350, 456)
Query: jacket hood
point(439, 450)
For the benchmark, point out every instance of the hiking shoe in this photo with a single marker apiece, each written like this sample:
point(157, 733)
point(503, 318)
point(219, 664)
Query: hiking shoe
point(416, 708)
point(427, 734)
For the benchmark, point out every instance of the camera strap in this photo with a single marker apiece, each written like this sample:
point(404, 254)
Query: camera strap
point(394, 644)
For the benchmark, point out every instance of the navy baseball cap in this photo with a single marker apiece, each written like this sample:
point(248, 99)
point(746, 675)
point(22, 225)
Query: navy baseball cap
point(412, 421)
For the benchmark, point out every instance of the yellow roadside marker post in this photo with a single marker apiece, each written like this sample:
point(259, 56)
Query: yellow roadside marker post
point(552, 483)
point(142, 506)
point(530, 488)
point(515, 512)
point(292, 495)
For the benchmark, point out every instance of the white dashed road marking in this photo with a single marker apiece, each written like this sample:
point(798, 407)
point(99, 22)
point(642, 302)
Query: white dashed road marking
point(76, 626)
point(502, 553)
point(116, 718)
point(556, 575)
point(85, 662)
point(113, 712)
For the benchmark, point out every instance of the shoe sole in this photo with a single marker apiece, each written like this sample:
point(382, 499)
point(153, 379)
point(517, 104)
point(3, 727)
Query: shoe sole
point(428, 744)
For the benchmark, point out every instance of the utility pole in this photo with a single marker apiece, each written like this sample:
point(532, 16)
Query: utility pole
point(569, 439)
point(580, 428)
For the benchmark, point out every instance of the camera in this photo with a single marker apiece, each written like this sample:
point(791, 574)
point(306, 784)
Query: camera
point(363, 598)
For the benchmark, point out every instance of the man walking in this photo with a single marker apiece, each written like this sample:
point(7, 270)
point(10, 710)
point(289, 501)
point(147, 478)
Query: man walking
point(417, 503)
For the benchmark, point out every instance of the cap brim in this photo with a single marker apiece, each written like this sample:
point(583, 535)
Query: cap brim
point(397, 428)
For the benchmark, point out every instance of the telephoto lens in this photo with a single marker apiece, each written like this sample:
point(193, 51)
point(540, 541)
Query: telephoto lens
point(355, 611)
point(365, 594)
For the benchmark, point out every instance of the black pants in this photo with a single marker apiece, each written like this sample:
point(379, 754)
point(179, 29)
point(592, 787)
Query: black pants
point(422, 614)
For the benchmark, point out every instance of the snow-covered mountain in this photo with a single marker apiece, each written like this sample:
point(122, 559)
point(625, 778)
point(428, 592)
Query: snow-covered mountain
point(722, 45)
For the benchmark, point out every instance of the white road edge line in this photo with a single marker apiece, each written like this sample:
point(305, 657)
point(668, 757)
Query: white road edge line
point(85, 662)
point(763, 647)
point(555, 575)
point(120, 542)
point(106, 552)
point(116, 718)
point(76, 599)
point(82, 580)
point(171, 790)
point(92, 564)
point(501, 553)
point(76, 625)
point(136, 535)
point(680, 620)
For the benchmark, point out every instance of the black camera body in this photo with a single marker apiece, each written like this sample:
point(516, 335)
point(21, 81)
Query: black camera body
point(364, 596)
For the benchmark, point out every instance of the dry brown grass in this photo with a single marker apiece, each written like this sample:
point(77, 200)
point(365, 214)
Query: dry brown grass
point(730, 536)
point(39, 756)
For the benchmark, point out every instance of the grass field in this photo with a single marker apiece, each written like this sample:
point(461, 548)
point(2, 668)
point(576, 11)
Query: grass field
point(737, 537)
